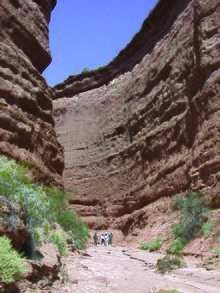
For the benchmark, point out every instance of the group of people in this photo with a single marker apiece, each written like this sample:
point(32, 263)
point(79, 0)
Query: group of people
point(105, 239)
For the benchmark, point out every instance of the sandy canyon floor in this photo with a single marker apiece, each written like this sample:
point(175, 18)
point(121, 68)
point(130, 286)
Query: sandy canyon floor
point(120, 269)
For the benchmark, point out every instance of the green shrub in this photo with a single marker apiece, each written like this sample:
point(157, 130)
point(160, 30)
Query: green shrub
point(177, 246)
point(39, 236)
point(152, 246)
point(193, 209)
point(193, 215)
point(85, 70)
point(12, 265)
point(80, 234)
point(68, 219)
point(169, 263)
point(216, 250)
point(35, 199)
point(31, 197)
point(99, 67)
point(59, 239)
point(177, 202)
point(207, 229)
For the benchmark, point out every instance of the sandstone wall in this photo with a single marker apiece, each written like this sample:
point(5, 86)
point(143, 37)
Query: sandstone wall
point(147, 125)
point(26, 122)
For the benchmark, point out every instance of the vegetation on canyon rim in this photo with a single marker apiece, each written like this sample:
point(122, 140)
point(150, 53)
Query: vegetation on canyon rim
point(46, 214)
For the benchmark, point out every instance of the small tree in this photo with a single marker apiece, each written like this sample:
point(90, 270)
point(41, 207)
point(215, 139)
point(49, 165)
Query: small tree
point(193, 214)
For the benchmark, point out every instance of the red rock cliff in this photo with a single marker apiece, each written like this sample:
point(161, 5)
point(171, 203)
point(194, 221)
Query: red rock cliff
point(26, 122)
point(146, 125)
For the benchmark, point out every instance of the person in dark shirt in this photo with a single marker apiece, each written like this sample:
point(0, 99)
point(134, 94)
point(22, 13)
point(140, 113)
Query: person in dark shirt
point(95, 239)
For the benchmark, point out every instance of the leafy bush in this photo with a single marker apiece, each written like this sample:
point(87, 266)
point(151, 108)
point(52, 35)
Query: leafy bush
point(152, 246)
point(68, 219)
point(12, 265)
point(177, 246)
point(177, 202)
point(207, 229)
point(39, 236)
point(36, 199)
point(85, 70)
point(216, 250)
point(169, 263)
point(32, 197)
point(99, 67)
point(193, 209)
point(80, 234)
point(60, 240)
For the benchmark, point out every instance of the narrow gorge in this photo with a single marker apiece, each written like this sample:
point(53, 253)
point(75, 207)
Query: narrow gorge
point(122, 140)
point(146, 126)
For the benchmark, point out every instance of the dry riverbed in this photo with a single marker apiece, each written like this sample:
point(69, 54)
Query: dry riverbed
point(118, 269)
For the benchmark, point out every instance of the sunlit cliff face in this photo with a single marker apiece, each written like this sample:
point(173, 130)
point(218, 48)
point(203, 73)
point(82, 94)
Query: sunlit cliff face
point(146, 125)
point(26, 122)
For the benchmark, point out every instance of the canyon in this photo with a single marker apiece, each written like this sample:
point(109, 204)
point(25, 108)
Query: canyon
point(146, 126)
point(143, 127)
point(122, 139)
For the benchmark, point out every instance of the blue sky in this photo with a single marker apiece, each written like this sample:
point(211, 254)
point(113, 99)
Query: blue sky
point(90, 33)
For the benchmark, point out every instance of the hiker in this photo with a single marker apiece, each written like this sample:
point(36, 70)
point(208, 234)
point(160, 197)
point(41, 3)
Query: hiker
point(110, 238)
point(102, 239)
point(106, 239)
point(95, 239)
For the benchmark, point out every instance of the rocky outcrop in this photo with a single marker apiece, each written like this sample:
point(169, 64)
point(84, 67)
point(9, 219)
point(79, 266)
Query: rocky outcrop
point(40, 274)
point(147, 125)
point(47, 268)
point(12, 223)
point(26, 122)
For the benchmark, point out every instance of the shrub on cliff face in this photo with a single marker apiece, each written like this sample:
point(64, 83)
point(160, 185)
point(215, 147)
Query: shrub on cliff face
point(216, 250)
point(207, 229)
point(67, 219)
point(43, 206)
point(152, 246)
point(59, 239)
point(85, 70)
point(12, 265)
point(177, 246)
point(193, 216)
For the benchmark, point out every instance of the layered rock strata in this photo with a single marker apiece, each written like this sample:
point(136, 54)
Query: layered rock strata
point(26, 122)
point(147, 125)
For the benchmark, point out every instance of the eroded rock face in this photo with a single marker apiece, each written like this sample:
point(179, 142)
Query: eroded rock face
point(12, 223)
point(26, 123)
point(147, 125)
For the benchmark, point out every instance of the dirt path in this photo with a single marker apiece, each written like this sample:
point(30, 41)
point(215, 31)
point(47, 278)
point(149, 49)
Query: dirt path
point(116, 269)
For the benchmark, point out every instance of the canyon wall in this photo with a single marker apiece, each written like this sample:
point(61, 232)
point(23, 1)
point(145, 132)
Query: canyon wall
point(26, 122)
point(145, 126)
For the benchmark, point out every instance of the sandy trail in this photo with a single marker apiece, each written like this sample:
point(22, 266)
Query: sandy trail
point(117, 269)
